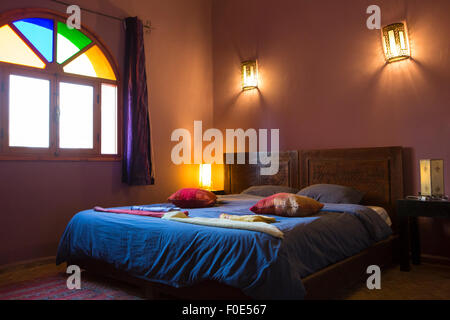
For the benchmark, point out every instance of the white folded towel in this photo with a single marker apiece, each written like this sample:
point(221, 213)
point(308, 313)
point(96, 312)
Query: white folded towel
point(225, 223)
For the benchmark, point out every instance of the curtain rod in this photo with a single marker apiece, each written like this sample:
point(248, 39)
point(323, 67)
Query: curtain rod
point(147, 26)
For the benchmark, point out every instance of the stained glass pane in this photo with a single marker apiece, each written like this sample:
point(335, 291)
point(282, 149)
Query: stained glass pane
point(92, 63)
point(70, 42)
point(15, 50)
point(40, 33)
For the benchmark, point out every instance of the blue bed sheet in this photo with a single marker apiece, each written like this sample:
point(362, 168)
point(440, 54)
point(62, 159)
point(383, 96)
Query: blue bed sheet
point(180, 254)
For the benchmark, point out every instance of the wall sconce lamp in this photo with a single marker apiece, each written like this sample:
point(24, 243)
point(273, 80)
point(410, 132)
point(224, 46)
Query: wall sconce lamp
point(249, 71)
point(432, 178)
point(395, 42)
point(204, 177)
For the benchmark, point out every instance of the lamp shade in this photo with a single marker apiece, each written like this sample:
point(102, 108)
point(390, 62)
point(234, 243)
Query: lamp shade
point(432, 178)
point(396, 42)
point(249, 70)
point(204, 179)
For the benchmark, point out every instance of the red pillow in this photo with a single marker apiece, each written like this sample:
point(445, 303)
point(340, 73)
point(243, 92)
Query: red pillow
point(287, 205)
point(193, 198)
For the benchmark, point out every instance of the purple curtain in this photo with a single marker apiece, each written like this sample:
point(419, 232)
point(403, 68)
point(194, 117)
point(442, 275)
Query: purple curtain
point(137, 155)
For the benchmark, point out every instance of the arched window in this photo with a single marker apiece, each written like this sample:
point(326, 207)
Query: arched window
point(59, 90)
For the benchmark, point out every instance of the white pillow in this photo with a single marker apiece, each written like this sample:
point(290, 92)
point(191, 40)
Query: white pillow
point(383, 214)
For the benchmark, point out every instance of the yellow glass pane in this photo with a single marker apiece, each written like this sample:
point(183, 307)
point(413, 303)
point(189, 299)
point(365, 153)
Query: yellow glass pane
point(92, 63)
point(15, 50)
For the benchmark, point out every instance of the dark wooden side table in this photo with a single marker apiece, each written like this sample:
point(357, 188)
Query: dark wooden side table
point(408, 211)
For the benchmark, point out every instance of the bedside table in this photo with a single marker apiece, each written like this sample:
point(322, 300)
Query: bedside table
point(408, 211)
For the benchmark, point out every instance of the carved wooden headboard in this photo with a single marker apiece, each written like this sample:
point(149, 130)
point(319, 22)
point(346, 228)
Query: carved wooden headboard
point(378, 172)
point(239, 177)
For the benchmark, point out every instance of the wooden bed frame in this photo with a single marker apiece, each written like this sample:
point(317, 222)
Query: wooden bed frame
point(376, 171)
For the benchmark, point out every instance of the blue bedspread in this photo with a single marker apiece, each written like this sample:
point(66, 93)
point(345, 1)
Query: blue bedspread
point(181, 254)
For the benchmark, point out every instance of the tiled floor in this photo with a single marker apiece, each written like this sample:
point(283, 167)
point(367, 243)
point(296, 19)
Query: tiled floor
point(426, 281)
point(31, 271)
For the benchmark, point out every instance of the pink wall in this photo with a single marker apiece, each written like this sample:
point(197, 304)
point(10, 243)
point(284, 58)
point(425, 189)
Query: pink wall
point(324, 82)
point(39, 198)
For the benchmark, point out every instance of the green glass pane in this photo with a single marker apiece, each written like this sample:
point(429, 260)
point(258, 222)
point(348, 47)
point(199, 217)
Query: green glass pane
point(70, 42)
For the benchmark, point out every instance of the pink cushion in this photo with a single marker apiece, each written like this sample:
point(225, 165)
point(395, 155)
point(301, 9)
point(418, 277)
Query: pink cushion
point(287, 205)
point(193, 198)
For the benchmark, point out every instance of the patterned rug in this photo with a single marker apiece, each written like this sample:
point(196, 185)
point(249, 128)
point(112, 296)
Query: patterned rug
point(55, 288)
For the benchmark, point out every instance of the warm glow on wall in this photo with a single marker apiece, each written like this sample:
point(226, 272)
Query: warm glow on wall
point(249, 71)
point(395, 42)
point(204, 177)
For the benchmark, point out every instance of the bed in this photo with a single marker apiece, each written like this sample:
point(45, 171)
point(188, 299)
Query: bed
point(197, 262)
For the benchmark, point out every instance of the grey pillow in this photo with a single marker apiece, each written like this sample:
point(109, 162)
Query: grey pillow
point(332, 193)
point(268, 190)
